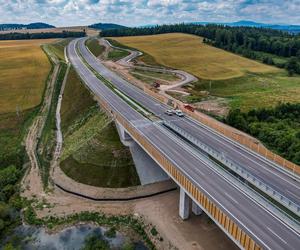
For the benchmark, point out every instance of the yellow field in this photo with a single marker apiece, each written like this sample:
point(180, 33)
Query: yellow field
point(23, 70)
point(189, 53)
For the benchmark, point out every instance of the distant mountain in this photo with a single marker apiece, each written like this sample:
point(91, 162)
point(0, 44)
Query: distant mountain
point(15, 26)
point(284, 27)
point(106, 26)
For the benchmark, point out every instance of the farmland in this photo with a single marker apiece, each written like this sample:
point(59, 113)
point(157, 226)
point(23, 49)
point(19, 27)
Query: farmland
point(21, 87)
point(246, 84)
point(189, 53)
point(23, 70)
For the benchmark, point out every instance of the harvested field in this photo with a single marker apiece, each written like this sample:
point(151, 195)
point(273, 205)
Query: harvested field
point(24, 67)
point(189, 53)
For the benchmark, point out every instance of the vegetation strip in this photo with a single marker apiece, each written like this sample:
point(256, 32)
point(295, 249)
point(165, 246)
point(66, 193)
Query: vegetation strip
point(110, 85)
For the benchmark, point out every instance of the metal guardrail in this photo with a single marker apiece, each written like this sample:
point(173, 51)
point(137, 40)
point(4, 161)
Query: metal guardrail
point(258, 183)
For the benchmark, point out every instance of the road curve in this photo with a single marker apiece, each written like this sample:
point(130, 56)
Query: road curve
point(250, 161)
point(126, 61)
point(262, 226)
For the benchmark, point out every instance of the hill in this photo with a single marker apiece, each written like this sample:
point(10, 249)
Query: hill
point(106, 26)
point(15, 26)
point(244, 23)
point(188, 52)
point(243, 83)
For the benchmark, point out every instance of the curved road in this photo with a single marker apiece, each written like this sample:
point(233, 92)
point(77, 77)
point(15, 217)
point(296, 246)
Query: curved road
point(125, 61)
point(257, 165)
point(261, 225)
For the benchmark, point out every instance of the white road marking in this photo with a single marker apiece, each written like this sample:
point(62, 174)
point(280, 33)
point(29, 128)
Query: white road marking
point(276, 235)
point(231, 198)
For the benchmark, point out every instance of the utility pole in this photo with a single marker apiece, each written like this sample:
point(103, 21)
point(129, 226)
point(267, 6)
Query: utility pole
point(18, 110)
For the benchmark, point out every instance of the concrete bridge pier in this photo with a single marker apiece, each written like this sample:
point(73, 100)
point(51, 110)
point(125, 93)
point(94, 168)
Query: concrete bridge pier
point(196, 209)
point(184, 205)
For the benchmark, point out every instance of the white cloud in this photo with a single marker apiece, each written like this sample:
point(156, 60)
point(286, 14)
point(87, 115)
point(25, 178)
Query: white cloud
point(140, 12)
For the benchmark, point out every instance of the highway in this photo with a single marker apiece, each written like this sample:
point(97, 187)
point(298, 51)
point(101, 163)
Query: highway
point(253, 163)
point(261, 225)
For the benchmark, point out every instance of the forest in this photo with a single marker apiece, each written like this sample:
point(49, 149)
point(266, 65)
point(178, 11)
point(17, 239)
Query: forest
point(41, 35)
point(16, 26)
point(278, 128)
point(256, 43)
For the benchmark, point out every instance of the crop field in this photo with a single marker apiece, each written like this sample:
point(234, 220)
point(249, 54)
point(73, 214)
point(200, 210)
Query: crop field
point(189, 53)
point(246, 84)
point(24, 67)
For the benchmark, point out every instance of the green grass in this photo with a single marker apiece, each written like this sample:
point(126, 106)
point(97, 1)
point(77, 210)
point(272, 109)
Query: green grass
point(57, 48)
point(13, 129)
point(70, 110)
point(46, 143)
point(143, 78)
point(92, 151)
point(95, 47)
point(159, 75)
point(252, 90)
point(117, 54)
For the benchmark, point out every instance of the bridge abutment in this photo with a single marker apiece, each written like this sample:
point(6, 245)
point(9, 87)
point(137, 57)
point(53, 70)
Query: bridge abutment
point(126, 139)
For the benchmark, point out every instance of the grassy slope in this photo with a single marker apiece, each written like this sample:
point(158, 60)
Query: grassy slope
point(163, 76)
point(57, 48)
point(95, 47)
point(23, 70)
point(254, 87)
point(116, 54)
point(187, 52)
point(92, 152)
point(253, 90)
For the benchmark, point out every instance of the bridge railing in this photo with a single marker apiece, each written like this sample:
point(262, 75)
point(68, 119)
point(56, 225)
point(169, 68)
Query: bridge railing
point(232, 133)
point(236, 168)
point(209, 207)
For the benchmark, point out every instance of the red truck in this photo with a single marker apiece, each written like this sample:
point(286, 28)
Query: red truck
point(189, 107)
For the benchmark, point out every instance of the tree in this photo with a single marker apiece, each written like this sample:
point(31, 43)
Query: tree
point(293, 66)
point(95, 242)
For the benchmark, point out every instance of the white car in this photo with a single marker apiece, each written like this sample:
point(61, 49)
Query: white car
point(179, 113)
point(169, 112)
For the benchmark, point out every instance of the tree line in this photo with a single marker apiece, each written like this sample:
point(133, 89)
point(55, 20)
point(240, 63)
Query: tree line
point(246, 41)
point(278, 128)
point(41, 35)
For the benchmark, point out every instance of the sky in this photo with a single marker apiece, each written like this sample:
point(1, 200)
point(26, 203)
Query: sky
point(144, 12)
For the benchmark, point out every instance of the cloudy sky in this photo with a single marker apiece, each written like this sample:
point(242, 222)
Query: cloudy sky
point(142, 12)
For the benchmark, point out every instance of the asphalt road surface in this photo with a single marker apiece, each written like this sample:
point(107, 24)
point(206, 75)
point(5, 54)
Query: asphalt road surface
point(265, 228)
point(253, 163)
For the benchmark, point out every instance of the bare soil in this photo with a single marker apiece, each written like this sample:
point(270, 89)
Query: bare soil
point(217, 106)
